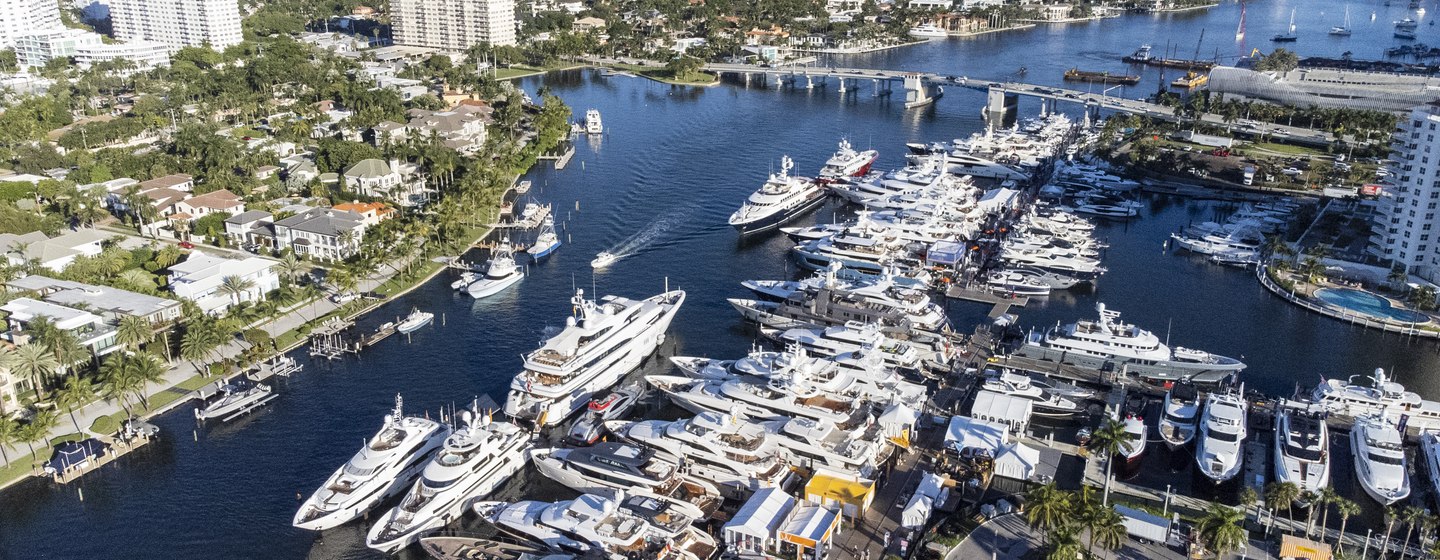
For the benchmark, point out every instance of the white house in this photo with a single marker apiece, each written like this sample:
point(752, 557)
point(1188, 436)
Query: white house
point(211, 203)
point(395, 181)
point(54, 254)
point(89, 329)
point(200, 277)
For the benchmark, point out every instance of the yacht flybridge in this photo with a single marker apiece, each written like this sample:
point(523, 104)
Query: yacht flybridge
point(1109, 344)
point(600, 343)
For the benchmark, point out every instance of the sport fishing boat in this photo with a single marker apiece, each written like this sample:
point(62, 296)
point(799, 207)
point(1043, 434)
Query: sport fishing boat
point(1379, 455)
point(233, 399)
point(601, 342)
point(625, 466)
point(591, 425)
point(502, 273)
point(734, 453)
point(414, 321)
point(1302, 448)
point(546, 241)
point(782, 198)
point(1178, 415)
point(848, 162)
point(1109, 344)
point(603, 259)
point(475, 460)
point(608, 524)
point(385, 465)
point(1383, 396)
point(1219, 445)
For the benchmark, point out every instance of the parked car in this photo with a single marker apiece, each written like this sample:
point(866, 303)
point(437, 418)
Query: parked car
point(187, 245)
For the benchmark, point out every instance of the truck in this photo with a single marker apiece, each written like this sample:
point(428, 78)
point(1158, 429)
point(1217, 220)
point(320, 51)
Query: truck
point(1248, 176)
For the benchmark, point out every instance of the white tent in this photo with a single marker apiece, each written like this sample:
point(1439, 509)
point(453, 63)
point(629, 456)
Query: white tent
point(996, 200)
point(1005, 409)
point(1023, 462)
point(897, 419)
point(917, 511)
point(966, 432)
point(754, 527)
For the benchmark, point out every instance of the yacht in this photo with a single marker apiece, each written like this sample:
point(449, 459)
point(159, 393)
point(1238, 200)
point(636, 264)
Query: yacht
point(385, 465)
point(1056, 280)
point(1178, 415)
point(414, 321)
point(1344, 29)
point(502, 273)
point(591, 426)
point(546, 242)
point(881, 303)
point(475, 460)
point(809, 443)
point(1380, 459)
point(625, 466)
point(593, 125)
point(1044, 403)
point(1302, 448)
point(466, 279)
point(1430, 454)
point(1289, 35)
point(604, 259)
point(233, 399)
point(1383, 396)
point(605, 524)
point(732, 452)
point(1015, 283)
point(782, 198)
point(762, 399)
point(1109, 344)
point(927, 31)
point(1104, 210)
point(855, 338)
point(848, 162)
point(1136, 436)
point(1219, 449)
point(600, 343)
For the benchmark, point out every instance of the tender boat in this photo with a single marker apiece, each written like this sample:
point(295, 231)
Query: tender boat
point(615, 405)
point(386, 464)
point(1302, 448)
point(1179, 413)
point(1109, 344)
point(546, 241)
point(502, 273)
point(603, 260)
point(475, 460)
point(233, 399)
point(466, 279)
point(782, 198)
point(414, 321)
point(1219, 450)
point(848, 162)
point(601, 342)
point(1379, 455)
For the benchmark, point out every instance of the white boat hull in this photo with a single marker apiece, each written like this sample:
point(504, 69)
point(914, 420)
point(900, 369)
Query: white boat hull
point(486, 287)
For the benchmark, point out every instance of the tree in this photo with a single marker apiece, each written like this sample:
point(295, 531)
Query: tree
point(145, 368)
point(1327, 496)
point(1063, 544)
point(1107, 441)
point(167, 256)
point(1392, 514)
point(76, 392)
point(236, 287)
point(1221, 529)
point(1423, 298)
point(291, 267)
point(1345, 508)
point(9, 435)
point(1411, 516)
point(1282, 493)
point(38, 429)
point(1107, 528)
point(35, 362)
point(134, 331)
point(199, 340)
point(1047, 508)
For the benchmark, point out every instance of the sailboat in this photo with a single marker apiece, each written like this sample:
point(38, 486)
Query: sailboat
point(1289, 36)
point(1342, 30)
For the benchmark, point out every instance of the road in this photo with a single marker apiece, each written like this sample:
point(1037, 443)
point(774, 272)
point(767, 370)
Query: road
point(1010, 538)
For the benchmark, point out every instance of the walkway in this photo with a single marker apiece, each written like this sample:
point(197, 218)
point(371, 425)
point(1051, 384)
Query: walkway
point(1010, 538)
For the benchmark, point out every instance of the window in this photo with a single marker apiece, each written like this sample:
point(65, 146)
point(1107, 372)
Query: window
point(1421, 248)
point(1425, 237)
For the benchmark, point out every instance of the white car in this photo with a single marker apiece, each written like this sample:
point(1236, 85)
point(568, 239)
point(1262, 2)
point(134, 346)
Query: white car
point(1291, 171)
point(345, 297)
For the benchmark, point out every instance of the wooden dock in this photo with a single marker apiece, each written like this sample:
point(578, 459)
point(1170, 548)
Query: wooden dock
point(118, 447)
point(281, 366)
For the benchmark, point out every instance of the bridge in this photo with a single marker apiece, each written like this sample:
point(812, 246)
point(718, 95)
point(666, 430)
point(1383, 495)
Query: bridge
point(923, 88)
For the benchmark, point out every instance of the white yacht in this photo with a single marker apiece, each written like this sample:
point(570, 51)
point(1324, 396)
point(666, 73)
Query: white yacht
point(546, 241)
point(500, 274)
point(414, 321)
point(605, 524)
point(1015, 283)
point(927, 31)
point(808, 443)
point(848, 162)
point(882, 303)
point(1385, 396)
point(476, 459)
point(1007, 382)
point(725, 449)
point(593, 125)
point(1430, 454)
point(1114, 211)
point(625, 466)
point(855, 338)
point(1178, 415)
point(782, 198)
point(1136, 437)
point(1380, 459)
point(1108, 343)
point(604, 259)
point(1219, 445)
point(591, 426)
point(772, 399)
point(600, 343)
point(233, 399)
point(385, 465)
point(1302, 448)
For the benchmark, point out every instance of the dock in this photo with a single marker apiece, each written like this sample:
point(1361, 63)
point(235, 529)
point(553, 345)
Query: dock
point(527, 222)
point(117, 447)
point(561, 157)
point(1002, 302)
point(279, 366)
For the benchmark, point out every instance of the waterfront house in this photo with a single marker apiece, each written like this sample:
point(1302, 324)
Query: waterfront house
point(251, 228)
point(54, 254)
point(89, 329)
point(110, 303)
point(200, 277)
point(396, 181)
point(211, 203)
point(371, 213)
point(588, 24)
point(386, 133)
point(321, 233)
point(177, 181)
point(11, 386)
point(461, 129)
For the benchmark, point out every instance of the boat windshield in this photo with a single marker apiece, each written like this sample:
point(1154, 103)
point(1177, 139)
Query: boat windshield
point(1303, 453)
point(1386, 459)
point(1224, 436)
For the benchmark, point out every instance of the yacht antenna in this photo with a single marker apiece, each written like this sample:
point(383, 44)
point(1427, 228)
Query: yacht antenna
point(1168, 324)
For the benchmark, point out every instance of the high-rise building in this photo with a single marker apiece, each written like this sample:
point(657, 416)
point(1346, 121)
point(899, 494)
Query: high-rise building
point(178, 23)
point(27, 17)
point(453, 25)
point(1405, 230)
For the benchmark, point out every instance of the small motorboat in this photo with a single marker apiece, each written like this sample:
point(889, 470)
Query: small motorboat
point(613, 406)
point(233, 399)
point(414, 321)
point(604, 259)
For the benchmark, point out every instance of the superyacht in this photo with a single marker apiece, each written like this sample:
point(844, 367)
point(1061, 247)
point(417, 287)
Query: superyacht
point(848, 162)
point(1219, 449)
point(1302, 448)
point(1377, 447)
point(782, 198)
point(734, 453)
point(628, 467)
point(605, 524)
point(1109, 344)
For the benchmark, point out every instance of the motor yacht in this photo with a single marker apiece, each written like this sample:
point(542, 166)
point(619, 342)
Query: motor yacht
point(1103, 210)
point(1015, 283)
point(1302, 448)
point(475, 460)
point(855, 338)
point(927, 31)
point(546, 241)
point(761, 399)
point(1430, 454)
point(628, 467)
point(1109, 344)
point(733, 452)
point(233, 399)
point(1136, 437)
point(809, 443)
point(387, 463)
point(1178, 415)
point(782, 198)
point(1377, 447)
point(848, 162)
point(590, 427)
point(608, 524)
point(1044, 403)
point(833, 304)
point(1219, 445)
point(1382, 396)
point(593, 124)
point(500, 274)
point(601, 342)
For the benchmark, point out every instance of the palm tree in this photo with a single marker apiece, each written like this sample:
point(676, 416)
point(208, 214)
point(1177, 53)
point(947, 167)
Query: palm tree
point(9, 435)
point(1063, 544)
point(38, 429)
point(1411, 516)
point(119, 381)
point(201, 337)
point(76, 392)
point(168, 255)
point(1249, 497)
point(291, 267)
point(1221, 529)
point(1327, 497)
point(137, 280)
point(1392, 514)
point(134, 331)
point(236, 287)
point(1315, 502)
point(37, 363)
point(1282, 493)
point(1345, 507)
point(146, 368)
point(1107, 527)
point(1047, 508)
point(1106, 441)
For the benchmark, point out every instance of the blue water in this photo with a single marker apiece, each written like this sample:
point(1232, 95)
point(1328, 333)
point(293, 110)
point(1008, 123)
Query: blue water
point(674, 163)
point(1369, 304)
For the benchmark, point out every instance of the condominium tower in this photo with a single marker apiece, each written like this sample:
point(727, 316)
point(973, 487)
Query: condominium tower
point(178, 23)
point(25, 17)
point(1405, 230)
point(453, 25)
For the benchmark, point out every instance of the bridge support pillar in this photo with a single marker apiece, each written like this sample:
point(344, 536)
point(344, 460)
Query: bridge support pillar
point(1000, 107)
point(842, 86)
point(809, 82)
point(916, 92)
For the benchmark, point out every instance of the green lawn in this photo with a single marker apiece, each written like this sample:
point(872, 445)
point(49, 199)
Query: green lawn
point(660, 74)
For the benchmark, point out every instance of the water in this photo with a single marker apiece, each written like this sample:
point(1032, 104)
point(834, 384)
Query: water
point(1369, 304)
point(657, 189)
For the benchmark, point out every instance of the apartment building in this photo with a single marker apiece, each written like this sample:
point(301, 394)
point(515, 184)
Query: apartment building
point(453, 25)
point(178, 23)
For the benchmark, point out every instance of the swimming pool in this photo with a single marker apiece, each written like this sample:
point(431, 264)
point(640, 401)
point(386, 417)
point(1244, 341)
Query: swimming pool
point(1367, 303)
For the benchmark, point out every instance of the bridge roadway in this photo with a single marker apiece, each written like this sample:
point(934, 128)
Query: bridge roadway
point(1097, 101)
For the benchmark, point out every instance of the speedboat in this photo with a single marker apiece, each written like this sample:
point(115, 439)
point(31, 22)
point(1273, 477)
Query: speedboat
point(1218, 448)
point(414, 321)
point(1380, 459)
point(502, 273)
point(608, 524)
point(1302, 448)
point(546, 242)
point(1136, 434)
point(601, 342)
point(603, 259)
point(1108, 343)
point(848, 162)
point(615, 405)
point(782, 198)
point(466, 279)
point(386, 464)
point(475, 460)
point(624, 466)
point(1179, 412)
point(732, 452)
point(233, 399)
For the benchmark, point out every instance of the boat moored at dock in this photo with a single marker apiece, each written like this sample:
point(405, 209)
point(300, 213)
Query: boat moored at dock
point(1379, 453)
